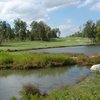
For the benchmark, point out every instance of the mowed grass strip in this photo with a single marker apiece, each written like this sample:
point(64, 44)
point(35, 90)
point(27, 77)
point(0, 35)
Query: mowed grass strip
point(56, 42)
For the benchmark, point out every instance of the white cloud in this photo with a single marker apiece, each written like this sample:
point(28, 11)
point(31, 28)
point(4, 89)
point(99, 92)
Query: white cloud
point(25, 9)
point(68, 28)
point(96, 7)
point(85, 3)
point(30, 10)
point(56, 4)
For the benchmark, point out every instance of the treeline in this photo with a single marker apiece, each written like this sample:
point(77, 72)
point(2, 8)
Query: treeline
point(21, 32)
point(90, 30)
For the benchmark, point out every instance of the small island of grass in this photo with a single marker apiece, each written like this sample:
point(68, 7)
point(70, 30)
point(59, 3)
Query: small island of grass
point(43, 60)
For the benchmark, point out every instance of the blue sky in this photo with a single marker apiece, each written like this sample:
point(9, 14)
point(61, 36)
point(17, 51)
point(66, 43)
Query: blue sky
point(68, 15)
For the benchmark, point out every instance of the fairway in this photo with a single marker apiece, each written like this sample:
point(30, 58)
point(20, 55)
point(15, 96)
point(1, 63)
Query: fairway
point(57, 42)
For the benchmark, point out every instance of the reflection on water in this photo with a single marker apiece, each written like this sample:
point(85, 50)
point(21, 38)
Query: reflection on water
point(46, 79)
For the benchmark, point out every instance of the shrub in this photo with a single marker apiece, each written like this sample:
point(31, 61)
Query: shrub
point(13, 98)
point(30, 89)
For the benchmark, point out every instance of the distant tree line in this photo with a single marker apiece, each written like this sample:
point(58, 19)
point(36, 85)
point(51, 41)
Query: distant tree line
point(90, 30)
point(20, 31)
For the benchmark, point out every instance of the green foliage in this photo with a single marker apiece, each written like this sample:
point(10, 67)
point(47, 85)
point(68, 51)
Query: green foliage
point(5, 31)
point(20, 32)
point(29, 89)
point(41, 31)
point(98, 34)
point(90, 30)
point(6, 58)
point(30, 92)
point(20, 29)
point(13, 98)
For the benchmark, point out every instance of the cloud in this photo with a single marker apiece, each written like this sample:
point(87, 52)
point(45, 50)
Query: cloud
point(96, 7)
point(68, 28)
point(24, 9)
point(56, 4)
point(85, 3)
point(29, 10)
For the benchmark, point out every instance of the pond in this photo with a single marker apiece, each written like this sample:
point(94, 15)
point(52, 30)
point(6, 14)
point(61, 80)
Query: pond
point(45, 79)
point(88, 50)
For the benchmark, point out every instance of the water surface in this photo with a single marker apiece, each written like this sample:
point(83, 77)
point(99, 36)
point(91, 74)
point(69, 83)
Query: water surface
point(45, 79)
point(88, 50)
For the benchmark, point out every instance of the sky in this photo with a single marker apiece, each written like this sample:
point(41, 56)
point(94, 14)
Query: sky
point(67, 15)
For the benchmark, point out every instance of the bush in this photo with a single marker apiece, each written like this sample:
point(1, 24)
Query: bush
point(13, 98)
point(30, 89)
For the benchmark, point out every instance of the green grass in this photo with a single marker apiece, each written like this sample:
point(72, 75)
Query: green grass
point(10, 60)
point(33, 60)
point(68, 41)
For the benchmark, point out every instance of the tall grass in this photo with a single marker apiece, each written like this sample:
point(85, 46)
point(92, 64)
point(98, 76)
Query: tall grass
point(33, 60)
point(42, 60)
point(6, 59)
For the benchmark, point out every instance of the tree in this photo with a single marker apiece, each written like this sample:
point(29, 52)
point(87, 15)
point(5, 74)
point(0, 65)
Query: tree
point(34, 31)
point(89, 30)
point(48, 32)
point(41, 31)
point(28, 34)
point(20, 28)
point(98, 23)
point(9, 32)
point(55, 32)
point(5, 30)
point(98, 31)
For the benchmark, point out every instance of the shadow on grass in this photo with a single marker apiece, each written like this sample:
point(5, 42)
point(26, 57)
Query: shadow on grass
point(5, 45)
point(8, 45)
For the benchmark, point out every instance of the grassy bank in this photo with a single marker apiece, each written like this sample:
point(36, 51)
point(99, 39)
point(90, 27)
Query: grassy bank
point(57, 42)
point(89, 89)
point(33, 60)
point(43, 60)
